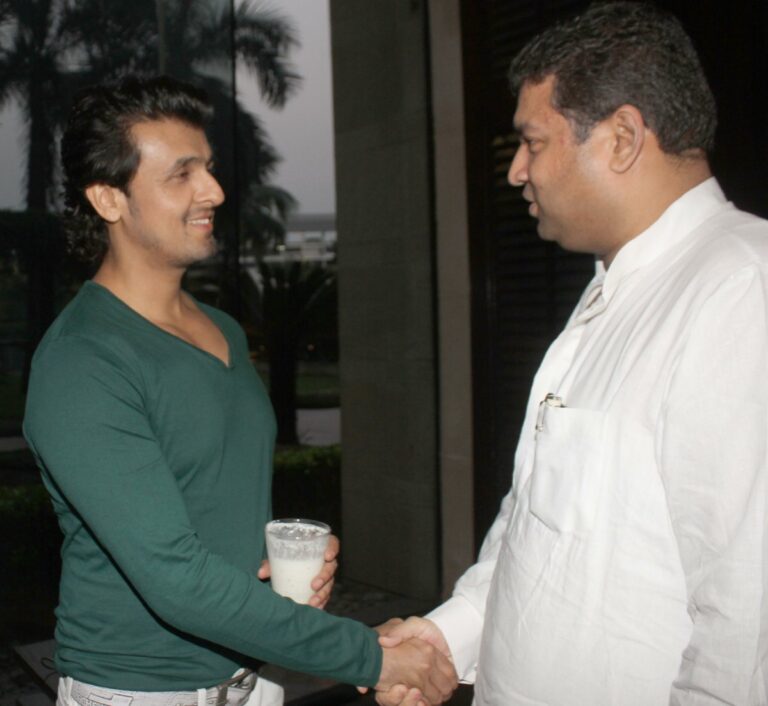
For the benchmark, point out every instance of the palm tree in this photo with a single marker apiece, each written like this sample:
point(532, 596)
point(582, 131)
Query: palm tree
point(196, 41)
point(292, 294)
point(199, 42)
point(201, 35)
point(264, 211)
point(285, 304)
point(35, 36)
point(49, 48)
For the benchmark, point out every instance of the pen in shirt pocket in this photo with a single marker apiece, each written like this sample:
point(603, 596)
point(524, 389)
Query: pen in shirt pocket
point(550, 400)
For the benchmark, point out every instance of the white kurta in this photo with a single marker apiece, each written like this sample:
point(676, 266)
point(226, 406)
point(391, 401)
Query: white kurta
point(627, 564)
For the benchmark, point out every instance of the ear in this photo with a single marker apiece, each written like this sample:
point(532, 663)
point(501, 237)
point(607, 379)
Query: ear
point(629, 134)
point(105, 201)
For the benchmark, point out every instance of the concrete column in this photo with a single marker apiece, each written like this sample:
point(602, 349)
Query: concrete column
point(453, 291)
point(387, 326)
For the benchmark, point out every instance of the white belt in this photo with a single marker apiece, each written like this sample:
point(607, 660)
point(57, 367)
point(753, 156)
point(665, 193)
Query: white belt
point(232, 692)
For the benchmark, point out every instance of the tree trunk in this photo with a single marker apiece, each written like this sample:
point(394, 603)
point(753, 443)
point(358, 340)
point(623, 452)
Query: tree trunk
point(283, 366)
point(39, 159)
point(40, 304)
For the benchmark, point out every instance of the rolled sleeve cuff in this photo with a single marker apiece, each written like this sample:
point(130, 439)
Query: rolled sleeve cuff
point(462, 626)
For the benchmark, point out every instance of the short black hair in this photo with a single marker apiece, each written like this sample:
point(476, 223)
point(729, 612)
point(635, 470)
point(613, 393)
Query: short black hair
point(618, 53)
point(97, 146)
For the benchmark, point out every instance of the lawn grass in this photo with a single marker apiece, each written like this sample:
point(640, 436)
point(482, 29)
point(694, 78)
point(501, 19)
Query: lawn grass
point(317, 384)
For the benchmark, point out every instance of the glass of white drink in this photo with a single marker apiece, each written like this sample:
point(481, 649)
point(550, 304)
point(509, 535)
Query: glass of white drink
point(296, 550)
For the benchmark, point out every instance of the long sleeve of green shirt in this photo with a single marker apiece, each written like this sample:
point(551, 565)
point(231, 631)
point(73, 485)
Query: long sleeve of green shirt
point(158, 459)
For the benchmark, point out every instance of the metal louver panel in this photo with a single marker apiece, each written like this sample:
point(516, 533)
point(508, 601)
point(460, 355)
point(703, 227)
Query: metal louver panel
point(523, 287)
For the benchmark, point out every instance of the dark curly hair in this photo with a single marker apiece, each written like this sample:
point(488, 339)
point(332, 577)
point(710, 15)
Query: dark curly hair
point(620, 53)
point(97, 146)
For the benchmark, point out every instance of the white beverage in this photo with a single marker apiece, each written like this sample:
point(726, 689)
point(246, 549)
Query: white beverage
point(296, 550)
point(292, 578)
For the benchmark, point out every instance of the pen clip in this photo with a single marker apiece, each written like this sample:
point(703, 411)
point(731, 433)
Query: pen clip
point(550, 400)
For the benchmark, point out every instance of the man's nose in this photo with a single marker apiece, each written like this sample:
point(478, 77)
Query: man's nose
point(518, 170)
point(212, 191)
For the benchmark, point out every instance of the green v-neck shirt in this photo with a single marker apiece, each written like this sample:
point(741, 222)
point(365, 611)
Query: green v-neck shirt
point(158, 459)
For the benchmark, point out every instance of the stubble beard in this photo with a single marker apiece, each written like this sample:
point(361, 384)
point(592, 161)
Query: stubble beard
point(194, 252)
point(186, 260)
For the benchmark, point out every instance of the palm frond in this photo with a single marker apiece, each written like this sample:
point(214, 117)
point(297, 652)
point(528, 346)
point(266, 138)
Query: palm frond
point(263, 39)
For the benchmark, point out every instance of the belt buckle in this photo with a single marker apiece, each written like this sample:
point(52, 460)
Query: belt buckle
point(221, 694)
point(237, 682)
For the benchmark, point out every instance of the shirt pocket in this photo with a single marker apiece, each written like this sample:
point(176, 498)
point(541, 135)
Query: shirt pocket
point(568, 469)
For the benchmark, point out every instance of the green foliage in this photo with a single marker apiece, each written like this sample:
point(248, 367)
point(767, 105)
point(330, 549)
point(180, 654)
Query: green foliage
point(18, 501)
point(49, 48)
point(308, 459)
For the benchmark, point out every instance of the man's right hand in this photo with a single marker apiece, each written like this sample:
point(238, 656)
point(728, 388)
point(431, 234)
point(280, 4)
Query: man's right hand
point(418, 665)
point(400, 695)
point(394, 631)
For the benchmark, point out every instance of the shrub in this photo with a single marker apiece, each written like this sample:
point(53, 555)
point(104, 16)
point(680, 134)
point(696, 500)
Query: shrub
point(307, 483)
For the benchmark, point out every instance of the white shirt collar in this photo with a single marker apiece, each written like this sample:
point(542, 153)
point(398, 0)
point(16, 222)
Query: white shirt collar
point(673, 226)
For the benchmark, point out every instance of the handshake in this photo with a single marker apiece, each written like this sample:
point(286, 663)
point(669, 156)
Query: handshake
point(417, 669)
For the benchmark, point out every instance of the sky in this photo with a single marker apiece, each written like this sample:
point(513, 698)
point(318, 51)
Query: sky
point(301, 132)
point(12, 157)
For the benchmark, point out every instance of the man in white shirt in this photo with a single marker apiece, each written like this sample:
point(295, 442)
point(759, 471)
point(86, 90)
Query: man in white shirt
point(627, 564)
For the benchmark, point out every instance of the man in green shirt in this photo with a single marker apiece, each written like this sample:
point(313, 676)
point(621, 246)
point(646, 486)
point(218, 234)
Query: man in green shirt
point(155, 438)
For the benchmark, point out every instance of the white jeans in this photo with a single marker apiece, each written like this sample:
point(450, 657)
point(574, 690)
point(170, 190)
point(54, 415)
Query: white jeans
point(74, 693)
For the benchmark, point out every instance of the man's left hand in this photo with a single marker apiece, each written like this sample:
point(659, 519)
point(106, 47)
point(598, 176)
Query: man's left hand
point(322, 584)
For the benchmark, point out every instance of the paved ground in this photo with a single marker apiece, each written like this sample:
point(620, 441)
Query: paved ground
point(16, 686)
point(319, 427)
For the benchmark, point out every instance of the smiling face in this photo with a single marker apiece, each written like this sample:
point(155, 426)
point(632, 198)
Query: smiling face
point(167, 214)
point(561, 178)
